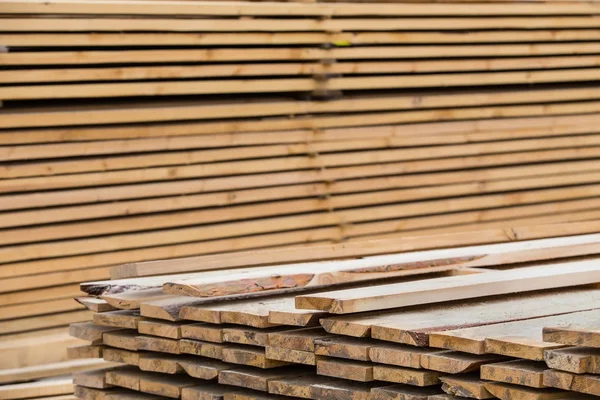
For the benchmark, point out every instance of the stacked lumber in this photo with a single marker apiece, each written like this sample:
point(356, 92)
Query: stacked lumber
point(462, 322)
point(137, 130)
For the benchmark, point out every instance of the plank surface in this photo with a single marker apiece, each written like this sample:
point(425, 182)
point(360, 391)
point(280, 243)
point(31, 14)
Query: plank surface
point(452, 288)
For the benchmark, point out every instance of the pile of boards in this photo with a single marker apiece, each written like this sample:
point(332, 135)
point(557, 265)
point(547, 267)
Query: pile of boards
point(143, 130)
point(136, 130)
point(512, 320)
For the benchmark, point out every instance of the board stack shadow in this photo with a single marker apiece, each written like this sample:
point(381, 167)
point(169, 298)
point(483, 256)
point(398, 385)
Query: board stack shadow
point(146, 130)
point(455, 323)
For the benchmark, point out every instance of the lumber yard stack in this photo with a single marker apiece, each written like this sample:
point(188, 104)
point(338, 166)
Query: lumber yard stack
point(144, 130)
point(477, 321)
point(141, 130)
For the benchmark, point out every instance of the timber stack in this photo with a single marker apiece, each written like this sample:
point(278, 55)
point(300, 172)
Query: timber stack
point(139, 130)
point(512, 319)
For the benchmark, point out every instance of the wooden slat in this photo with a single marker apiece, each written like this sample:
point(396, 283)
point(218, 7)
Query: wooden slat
point(521, 338)
point(451, 288)
point(518, 372)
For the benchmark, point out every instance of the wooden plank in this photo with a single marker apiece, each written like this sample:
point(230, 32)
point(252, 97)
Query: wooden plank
point(589, 384)
point(188, 112)
point(46, 387)
point(517, 372)
point(39, 308)
point(93, 378)
point(336, 389)
point(371, 268)
point(161, 345)
point(519, 338)
point(342, 347)
point(345, 369)
point(303, 9)
point(41, 348)
point(454, 362)
point(84, 351)
point(166, 329)
point(44, 321)
point(505, 391)
point(297, 339)
point(204, 392)
point(579, 360)
point(291, 356)
point(250, 336)
point(94, 304)
point(132, 300)
point(399, 355)
point(127, 377)
point(452, 288)
point(251, 356)
point(199, 348)
point(203, 368)
point(407, 376)
point(203, 332)
point(295, 386)
point(122, 356)
point(90, 332)
point(413, 326)
point(167, 386)
point(465, 386)
point(161, 363)
point(404, 392)
point(298, 84)
point(127, 319)
point(587, 335)
point(123, 339)
point(11, 375)
point(291, 25)
point(257, 379)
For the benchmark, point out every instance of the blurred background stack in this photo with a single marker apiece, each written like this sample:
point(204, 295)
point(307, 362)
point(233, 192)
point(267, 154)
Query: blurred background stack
point(144, 130)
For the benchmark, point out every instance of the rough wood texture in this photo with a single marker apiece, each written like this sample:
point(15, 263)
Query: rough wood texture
point(251, 356)
point(166, 329)
point(579, 360)
point(121, 356)
point(126, 319)
point(408, 376)
point(399, 355)
point(90, 332)
point(257, 379)
point(203, 332)
point(574, 335)
point(517, 372)
point(204, 392)
point(519, 338)
point(342, 347)
point(124, 339)
point(454, 362)
point(413, 326)
point(204, 349)
point(505, 391)
point(465, 386)
point(345, 369)
point(297, 339)
point(589, 384)
point(404, 392)
point(452, 288)
point(291, 356)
